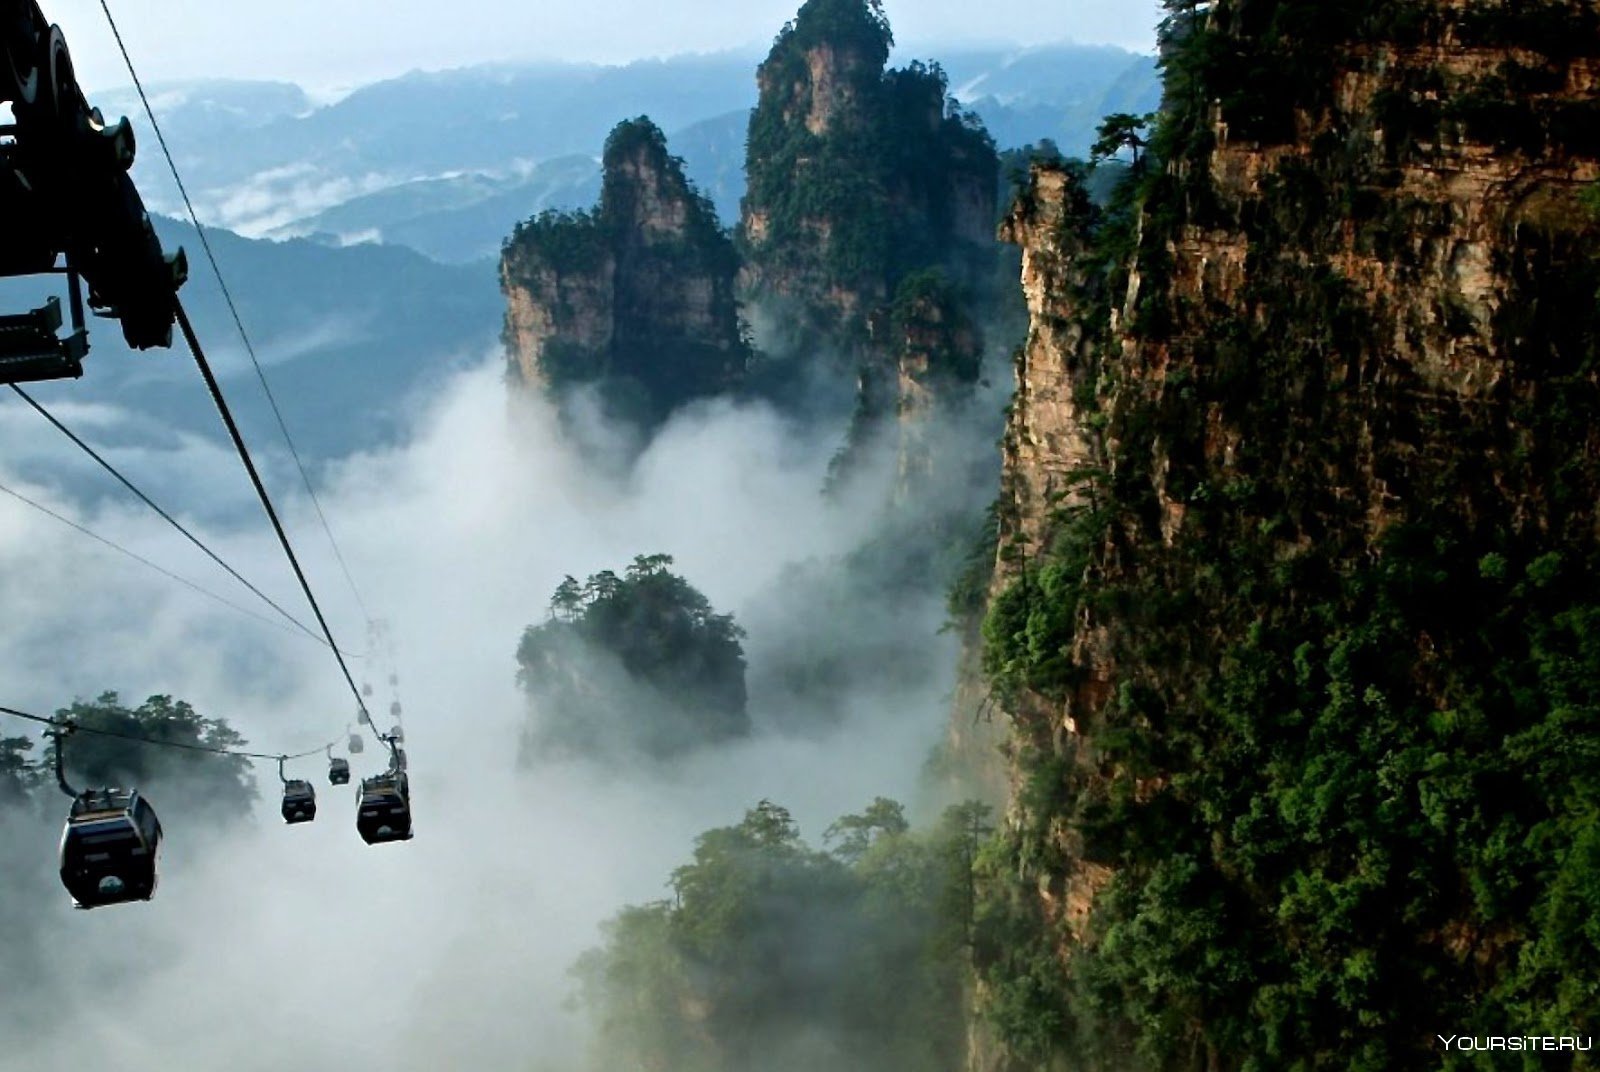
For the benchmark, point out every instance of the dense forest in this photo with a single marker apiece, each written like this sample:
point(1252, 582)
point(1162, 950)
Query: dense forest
point(772, 954)
point(1300, 658)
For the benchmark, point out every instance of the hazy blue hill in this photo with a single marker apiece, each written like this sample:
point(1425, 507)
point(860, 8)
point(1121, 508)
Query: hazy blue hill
point(347, 337)
point(428, 124)
point(462, 218)
point(1059, 92)
point(713, 156)
point(208, 107)
point(484, 117)
point(447, 162)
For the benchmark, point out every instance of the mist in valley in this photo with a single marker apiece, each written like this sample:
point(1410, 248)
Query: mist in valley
point(268, 943)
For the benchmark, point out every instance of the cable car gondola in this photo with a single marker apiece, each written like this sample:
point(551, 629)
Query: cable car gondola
point(394, 709)
point(110, 848)
point(383, 812)
point(356, 744)
point(396, 733)
point(111, 844)
point(299, 801)
point(339, 771)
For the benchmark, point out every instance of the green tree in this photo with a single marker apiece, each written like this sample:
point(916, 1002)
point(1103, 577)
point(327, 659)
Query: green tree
point(1121, 131)
point(856, 834)
point(217, 787)
point(639, 662)
point(18, 774)
point(773, 955)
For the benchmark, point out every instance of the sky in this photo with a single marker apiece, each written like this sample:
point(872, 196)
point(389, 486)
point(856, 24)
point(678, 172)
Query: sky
point(332, 45)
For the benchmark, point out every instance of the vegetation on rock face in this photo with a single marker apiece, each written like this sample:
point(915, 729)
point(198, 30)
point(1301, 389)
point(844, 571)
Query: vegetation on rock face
point(227, 783)
point(774, 955)
point(640, 291)
point(857, 175)
point(1335, 759)
point(637, 663)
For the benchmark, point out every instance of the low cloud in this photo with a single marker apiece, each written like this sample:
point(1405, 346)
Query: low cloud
point(278, 944)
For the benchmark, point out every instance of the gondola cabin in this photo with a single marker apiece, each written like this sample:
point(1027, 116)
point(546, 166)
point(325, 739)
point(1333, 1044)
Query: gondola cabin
point(339, 771)
point(299, 802)
point(397, 733)
point(383, 812)
point(110, 848)
point(356, 745)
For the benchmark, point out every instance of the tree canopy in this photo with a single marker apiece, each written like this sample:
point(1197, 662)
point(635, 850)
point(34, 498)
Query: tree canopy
point(774, 955)
point(640, 662)
point(223, 785)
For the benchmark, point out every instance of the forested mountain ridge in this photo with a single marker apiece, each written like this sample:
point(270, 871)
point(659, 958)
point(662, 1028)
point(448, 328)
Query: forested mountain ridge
point(1292, 613)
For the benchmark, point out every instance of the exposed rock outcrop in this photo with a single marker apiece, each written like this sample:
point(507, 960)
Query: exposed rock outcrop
point(1289, 426)
point(860, 179)
point(635, 299)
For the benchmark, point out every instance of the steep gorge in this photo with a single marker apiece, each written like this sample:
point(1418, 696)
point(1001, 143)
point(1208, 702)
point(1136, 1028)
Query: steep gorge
point(1292, 611)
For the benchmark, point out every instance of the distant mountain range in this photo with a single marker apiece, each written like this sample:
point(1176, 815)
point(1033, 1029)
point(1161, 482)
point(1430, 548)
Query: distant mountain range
point(405, 190)
point(348, 337)
point(446, 163)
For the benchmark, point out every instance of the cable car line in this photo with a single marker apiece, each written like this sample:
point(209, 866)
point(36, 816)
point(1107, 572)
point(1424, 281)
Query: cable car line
point(63, 152)
point(266, 504)
point(201, 589)
point(77, 727)
point(168, 518)
point(233, 310)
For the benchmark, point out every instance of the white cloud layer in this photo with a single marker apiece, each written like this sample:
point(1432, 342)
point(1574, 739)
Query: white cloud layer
point(302, 947)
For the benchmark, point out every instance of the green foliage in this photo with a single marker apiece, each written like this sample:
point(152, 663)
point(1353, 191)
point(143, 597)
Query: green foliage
point(1120, 131)
point(929, 315)
point(859, 24)
point(1591, 199)
point(569, 243)
point(773, 955)
point(222, 788)
point(622, 266)
point(1030, 626)
point(968, 594)
point(1343, 783)
point(18, 775)
point(637, 662)
point(878, 181)
point(1017, 956)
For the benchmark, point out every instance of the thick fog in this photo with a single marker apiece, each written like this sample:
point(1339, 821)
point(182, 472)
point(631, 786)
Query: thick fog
point(301, 946)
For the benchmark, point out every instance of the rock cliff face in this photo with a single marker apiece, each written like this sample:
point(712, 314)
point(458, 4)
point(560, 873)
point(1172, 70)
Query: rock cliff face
point(1298, 523)
point(636, 299)
point(860, 179)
